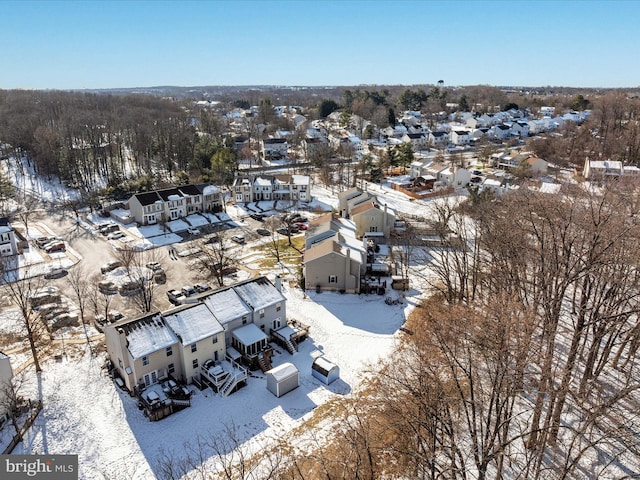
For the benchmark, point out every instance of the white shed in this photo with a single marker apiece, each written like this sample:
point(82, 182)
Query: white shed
point(324, 370)
point(282, 379)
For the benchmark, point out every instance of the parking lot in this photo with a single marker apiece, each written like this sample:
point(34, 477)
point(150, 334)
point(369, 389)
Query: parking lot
point(89, 251)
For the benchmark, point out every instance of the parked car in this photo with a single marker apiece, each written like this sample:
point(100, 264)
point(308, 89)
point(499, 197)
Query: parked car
point(302, 226)
point(107, 267)
point(193, 231)
point(175, 296)
point(55, 273)
point(202, 287)
point(107, 287)
point(154, 266)
point(189, 251)
point(159, 276)
point(212, 239)
point(188, 291)
point(129, 288)
point(116, 235)
point(42, 242)
point(55, 246)
point(114, 316)
point(263, 231)
point(284, 231)
point(108, 228)
point(257, 216)
point(238, 238)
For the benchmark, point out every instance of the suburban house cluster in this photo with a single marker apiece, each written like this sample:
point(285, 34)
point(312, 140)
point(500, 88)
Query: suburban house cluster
point(608, 169)
point(158, 206)
point(339, 249)
point(257, 188)
point(229, 328)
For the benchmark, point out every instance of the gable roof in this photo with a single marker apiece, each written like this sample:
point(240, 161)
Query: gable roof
point(147, 198)
point(147, 335)
point(363, 207)
point(193, 323)
point(169, 192)
point(321, 249)
point(226, 305)
point(189, 189)
point(259, 293)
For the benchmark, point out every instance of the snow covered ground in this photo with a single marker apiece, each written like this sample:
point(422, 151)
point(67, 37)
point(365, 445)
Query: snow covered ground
point(85, 414)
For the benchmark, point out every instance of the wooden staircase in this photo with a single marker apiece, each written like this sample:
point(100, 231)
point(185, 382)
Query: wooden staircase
point(291, 347)
point(264, 362)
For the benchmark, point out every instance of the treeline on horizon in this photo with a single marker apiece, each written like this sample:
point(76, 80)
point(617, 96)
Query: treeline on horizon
point(137, 142)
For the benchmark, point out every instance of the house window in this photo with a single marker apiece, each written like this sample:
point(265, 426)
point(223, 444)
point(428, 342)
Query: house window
point(145, 360)
point(120, 363)
point(169, 351)
point(195, 363)
point(215, 339)
point(194, 348)
point(171, 368)
point(333, 279)
point(278, 307)
point(262, 313)
point(373, 228)
point(244, 320)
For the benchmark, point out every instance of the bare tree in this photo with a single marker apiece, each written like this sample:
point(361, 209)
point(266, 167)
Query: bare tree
point(11, 400)
point(22, 287)
point(78, 280)
point(140, 285)
point(215, 259)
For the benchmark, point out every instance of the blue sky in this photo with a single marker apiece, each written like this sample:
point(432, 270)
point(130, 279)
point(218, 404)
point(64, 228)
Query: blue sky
point(111, 44)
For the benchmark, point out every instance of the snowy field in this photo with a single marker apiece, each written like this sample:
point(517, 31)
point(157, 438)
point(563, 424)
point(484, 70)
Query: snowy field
point(86, 414)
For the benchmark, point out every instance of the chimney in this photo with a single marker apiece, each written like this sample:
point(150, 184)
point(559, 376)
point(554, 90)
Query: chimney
point(278, 283)
point(385, 220)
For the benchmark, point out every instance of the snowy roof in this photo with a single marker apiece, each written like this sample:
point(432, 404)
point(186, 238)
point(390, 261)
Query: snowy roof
point(148, 335)
point(193, 324)
point(210, 190)
point(249, 334)
point(259, 293)
point(226, 305)
point(284, 371)
point(300, 179)
point(323, 363)
point(173, 198)
point(262, 181)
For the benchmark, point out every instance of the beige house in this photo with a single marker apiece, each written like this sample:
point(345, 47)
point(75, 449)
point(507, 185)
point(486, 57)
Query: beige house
point(351, 198)
point(143, 351)
point(369, 217)
point(149, 208)
point(334, 258)
point(274, 187)
point(176, 343)
point(6, 375)
point(200, 336)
